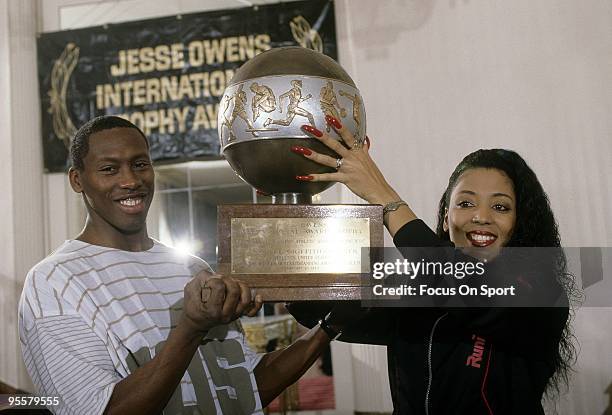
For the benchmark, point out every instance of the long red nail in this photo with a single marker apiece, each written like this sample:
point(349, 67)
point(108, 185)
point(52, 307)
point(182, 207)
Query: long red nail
point(304, 178)
point(310, 129)
point(261, 192)
point(301, 150)
point(333, 122)
point(367, 141)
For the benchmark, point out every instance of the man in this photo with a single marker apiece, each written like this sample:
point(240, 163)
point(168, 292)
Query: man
point(329, 103)
point(115, 322)
point(263, 99)
point(238, 110)
point(293, 107)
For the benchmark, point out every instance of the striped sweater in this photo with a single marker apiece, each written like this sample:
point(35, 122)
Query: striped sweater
point(90, 315)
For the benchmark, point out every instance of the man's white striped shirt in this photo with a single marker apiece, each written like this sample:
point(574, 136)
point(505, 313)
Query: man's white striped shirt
point(90, 315)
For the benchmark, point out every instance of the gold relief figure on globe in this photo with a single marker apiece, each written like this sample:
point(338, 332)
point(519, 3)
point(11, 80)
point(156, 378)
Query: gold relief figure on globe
point(263, 100)
point(329, 102)
point(356, 105)
point(293, 108)
point(239, 110)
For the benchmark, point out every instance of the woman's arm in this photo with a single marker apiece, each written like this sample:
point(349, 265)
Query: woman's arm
point(363, 177)
point(358, 172)
point(358, 325)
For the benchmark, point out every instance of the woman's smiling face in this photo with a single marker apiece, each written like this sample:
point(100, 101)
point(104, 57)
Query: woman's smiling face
point(482, 210)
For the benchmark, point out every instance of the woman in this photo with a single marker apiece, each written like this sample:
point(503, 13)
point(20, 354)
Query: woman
point(466, 360)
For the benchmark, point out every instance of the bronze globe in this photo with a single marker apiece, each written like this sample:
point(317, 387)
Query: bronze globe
point(263, 108)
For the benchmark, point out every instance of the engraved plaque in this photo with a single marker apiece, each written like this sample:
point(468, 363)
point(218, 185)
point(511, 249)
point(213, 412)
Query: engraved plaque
point(298, 245)
point(299, 252)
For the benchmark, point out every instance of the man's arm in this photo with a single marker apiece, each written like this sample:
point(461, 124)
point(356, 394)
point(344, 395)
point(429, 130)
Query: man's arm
point(148, 389)
point(279, 369)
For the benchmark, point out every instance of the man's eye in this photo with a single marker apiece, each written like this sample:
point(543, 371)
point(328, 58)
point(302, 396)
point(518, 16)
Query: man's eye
point(141, 164)
point(108, 169)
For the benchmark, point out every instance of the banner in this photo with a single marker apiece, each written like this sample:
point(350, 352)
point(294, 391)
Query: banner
point(166, 75)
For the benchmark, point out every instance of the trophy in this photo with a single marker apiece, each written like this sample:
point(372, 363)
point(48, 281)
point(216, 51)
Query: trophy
point(292, 249)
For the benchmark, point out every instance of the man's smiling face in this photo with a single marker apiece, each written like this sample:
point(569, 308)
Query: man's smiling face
point(117, 180)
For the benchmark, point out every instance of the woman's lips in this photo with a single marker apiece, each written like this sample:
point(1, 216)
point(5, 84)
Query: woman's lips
point(481, 238)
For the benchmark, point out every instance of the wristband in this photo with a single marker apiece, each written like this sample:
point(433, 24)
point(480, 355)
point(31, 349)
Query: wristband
point(393, 206)
point(331, 333)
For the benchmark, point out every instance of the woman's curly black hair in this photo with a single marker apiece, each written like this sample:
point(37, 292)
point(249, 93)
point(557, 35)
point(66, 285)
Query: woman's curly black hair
point(535, 227)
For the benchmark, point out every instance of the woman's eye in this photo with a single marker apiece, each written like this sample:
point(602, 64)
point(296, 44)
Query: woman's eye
point(465, 204)
point(141, 164)
point(501, 208)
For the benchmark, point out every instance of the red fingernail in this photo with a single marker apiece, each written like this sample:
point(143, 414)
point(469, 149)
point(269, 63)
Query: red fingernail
point(367, 141)
point(333, 122)
point(301, 150)
point(304, 178)
point(310, 129)
point(261, 192)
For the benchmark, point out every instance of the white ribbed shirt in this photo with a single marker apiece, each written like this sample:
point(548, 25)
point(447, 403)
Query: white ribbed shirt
point(90, 315)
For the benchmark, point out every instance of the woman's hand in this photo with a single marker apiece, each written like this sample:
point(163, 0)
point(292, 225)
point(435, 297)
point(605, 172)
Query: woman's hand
point(356, 169)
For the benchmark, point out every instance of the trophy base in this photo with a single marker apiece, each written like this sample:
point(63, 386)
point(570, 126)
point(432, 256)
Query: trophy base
point(289, 294)
point(299, 252)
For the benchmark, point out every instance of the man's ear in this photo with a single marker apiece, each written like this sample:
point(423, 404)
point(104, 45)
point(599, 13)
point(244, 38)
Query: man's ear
point(445, 222)
point(74, 175)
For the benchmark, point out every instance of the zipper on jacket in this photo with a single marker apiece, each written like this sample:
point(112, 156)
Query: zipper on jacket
point(429, 380)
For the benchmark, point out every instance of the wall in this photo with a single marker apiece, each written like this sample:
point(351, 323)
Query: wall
point(440, 78)
point(21, 220)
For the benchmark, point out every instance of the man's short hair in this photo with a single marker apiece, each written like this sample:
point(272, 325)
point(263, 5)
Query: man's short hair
point(80, 143)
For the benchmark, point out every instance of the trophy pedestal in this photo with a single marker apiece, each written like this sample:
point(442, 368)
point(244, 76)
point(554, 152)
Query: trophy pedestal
point(299, 252)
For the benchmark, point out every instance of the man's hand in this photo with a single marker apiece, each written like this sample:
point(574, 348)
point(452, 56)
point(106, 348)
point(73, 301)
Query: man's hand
point(211, 300)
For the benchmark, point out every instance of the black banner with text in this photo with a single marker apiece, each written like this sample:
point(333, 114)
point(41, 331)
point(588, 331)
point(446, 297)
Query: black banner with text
point(166, 75)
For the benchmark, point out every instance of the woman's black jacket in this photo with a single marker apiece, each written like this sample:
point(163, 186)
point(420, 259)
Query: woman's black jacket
point(463, 360)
